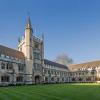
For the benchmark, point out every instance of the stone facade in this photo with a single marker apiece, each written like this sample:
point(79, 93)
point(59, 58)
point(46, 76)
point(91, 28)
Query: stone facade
point(28, 66)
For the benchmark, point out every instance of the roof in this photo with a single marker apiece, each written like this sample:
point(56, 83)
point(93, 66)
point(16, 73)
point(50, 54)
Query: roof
point(11, 52)
point(85, 65)
point(48, 62)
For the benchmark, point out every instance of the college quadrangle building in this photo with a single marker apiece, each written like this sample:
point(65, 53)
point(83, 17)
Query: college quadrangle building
point(28, 66)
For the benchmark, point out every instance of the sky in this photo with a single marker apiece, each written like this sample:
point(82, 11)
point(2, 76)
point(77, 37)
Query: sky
point(71, 27)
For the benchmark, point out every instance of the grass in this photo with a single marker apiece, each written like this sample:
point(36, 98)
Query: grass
point(51, 92)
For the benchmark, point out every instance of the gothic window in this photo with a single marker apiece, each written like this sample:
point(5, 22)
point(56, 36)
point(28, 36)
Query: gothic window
point(54, 72)
point(48, 71)
point(52, 79)
point(9, 66)
point(73, 79)
point(37, 55)
point(2, 65)
point(88, 79)
point(62, 79)
point(79, 73)
point(70, 74)
point(51, 72)
point(80, 79)
point(57, 79)
point(20, 67)
point(5, 78)
point(45, 71)
point(36, 46)
point(83, 73)
point(92, 72)
point(46, 79)
point(19, 79)
point(37, 66)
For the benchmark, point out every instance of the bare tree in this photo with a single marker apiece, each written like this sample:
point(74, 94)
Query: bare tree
point(64, 59)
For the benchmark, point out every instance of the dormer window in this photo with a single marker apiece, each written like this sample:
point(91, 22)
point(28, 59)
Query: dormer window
point(2, 55)
point(7, 57)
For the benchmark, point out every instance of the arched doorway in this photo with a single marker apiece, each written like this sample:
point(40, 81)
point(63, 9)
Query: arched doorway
point(37, 79)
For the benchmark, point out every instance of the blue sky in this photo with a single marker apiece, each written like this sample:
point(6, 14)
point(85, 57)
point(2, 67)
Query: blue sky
point(69, 26)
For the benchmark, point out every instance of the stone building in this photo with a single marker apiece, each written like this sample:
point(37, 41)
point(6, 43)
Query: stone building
point(85, 72)
point(12, 66)
point(27, 65)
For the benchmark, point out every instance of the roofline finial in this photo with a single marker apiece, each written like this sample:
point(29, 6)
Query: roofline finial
point(28, 24)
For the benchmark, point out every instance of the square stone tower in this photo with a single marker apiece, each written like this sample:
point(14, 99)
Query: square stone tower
point(33, 49)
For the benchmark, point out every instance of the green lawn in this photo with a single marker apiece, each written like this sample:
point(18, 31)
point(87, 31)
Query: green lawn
point(51, 92)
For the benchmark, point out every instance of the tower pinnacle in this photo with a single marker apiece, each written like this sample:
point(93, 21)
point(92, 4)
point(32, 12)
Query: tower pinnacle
point(28, 24)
